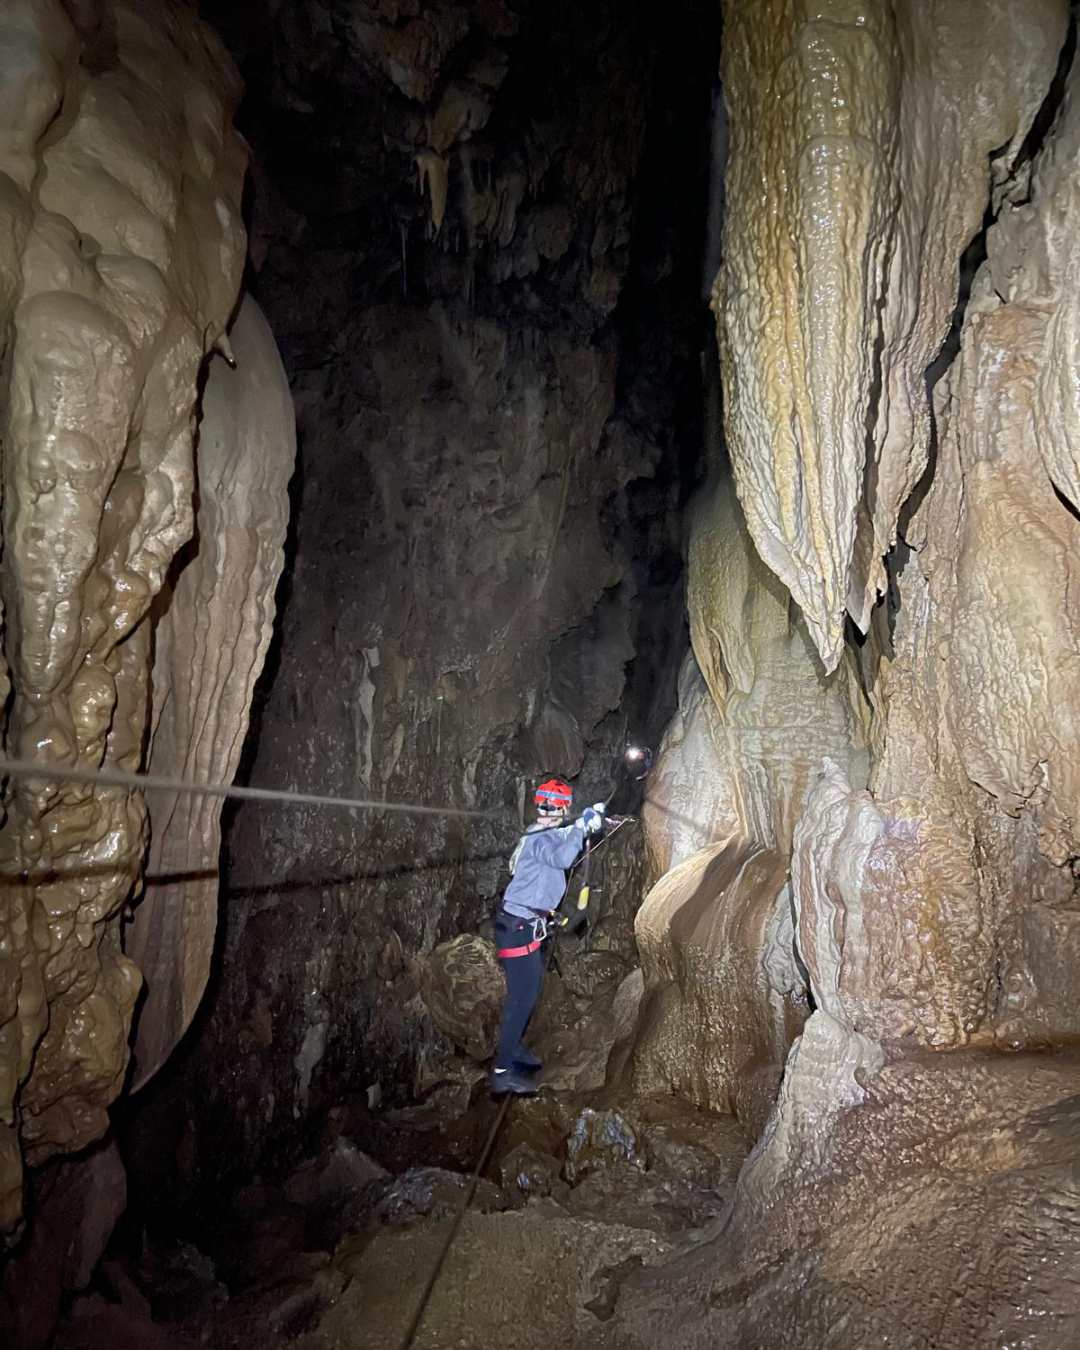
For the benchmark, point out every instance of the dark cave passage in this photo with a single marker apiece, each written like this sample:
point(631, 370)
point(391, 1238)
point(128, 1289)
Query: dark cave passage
point(499, 426)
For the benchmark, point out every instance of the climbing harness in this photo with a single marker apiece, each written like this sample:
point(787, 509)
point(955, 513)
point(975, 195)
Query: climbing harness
point(146, 782)
point(541, 931)
point(507, 953)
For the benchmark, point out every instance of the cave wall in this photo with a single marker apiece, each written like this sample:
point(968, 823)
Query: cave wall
point(211, 636)
point(490, 333)
point(121, 260)
point(926, 524)
point(891, 750)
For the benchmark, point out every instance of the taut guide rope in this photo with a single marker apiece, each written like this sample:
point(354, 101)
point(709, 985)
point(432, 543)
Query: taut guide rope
point(144, 782)
point(147, 782)
point(436, 1270)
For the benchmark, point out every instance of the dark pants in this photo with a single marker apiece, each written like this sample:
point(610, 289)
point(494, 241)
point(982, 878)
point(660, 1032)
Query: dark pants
point(524, 976)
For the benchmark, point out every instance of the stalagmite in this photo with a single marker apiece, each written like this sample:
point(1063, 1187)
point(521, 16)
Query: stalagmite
point(121, 261)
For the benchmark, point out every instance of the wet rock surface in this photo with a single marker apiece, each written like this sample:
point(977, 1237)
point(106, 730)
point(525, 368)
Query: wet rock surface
point(120, 265)
point(209, 647)
point(430, 1193)
point(600, 1139)
point(495, 437)
point(526, 1174)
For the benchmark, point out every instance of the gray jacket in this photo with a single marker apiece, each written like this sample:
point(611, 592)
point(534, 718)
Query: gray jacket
point(541, 860)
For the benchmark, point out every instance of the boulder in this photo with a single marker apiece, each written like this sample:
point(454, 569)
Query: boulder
point(335, 1191)
point(462, 987)
point(525, 1173)
point(599, 1139)
point(432, 1193)
point(344, 1169)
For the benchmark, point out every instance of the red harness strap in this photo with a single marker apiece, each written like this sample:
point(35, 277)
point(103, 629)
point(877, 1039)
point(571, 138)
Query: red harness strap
point(527, 950)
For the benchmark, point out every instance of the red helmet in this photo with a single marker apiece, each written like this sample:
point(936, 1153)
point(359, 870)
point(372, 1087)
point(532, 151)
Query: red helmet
point(553, 797)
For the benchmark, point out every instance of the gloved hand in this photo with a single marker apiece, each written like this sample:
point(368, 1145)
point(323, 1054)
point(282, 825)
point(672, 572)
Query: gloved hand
point(591, 819)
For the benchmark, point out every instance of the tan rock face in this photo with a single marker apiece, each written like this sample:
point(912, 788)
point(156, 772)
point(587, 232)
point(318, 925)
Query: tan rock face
point(934, 907)
point(944, 886)
point(972, 76)
point(120, 183)
point(914, 897)
point(940, 1210)
point(812, 92)
point(845, 120)
point(724, 996)
point(210, 643)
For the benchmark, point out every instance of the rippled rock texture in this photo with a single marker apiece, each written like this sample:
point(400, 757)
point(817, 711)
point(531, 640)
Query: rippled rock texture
point(861, 140)
point(120, 182)
point(932, 840)
point(945, 1212)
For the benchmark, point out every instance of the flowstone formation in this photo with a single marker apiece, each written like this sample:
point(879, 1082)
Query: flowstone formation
point(932, 852)
point(210, 643)
point(120, 178)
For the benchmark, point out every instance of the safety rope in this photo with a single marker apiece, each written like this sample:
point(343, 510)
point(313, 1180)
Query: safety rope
point(146, 782)
point(421, 1307)
point(593, 848)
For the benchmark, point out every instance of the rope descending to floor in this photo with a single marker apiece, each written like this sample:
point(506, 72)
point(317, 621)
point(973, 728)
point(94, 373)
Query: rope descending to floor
point(436, 1271)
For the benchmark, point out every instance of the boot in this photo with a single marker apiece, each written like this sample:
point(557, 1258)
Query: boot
point(525, 1059)
point(502, 1081)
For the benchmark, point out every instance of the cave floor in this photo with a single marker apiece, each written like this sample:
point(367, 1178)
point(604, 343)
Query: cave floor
point(943, 1212)
point(581, 1189)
